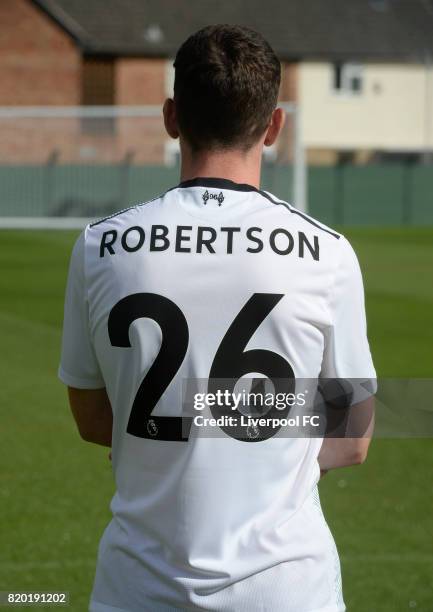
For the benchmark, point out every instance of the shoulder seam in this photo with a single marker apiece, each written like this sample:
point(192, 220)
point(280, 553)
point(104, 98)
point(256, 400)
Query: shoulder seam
point(297, 212)
point(119, 212)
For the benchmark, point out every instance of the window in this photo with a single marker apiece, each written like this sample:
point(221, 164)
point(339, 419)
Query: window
point(400, 157)
point(347, 78)
point(97, 89)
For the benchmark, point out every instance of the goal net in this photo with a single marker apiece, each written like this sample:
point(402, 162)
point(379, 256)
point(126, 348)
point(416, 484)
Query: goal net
point(62, 167)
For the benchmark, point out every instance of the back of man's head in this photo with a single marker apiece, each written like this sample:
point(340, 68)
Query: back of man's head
point(226, 87)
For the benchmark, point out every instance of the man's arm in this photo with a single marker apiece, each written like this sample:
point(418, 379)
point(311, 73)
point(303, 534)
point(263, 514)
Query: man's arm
point(93, 414)
point(79, 367)
point(347, 357)
point(343, 452)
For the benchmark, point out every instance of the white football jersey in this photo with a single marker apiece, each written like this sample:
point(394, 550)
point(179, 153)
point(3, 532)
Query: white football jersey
point(212, 278)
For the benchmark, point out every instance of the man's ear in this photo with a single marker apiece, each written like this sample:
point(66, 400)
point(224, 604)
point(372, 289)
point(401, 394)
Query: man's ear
point(170, 120)
point(276, 125)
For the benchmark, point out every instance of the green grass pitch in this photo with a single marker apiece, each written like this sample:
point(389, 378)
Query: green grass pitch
point(55, 489)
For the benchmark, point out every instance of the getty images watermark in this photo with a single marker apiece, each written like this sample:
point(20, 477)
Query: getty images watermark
point(256, 409)
point(256, 402)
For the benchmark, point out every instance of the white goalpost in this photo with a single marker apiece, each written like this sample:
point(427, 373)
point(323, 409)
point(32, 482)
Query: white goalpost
point(62, 167)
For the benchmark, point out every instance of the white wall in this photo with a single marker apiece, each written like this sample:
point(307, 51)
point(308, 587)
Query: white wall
point(390, 113)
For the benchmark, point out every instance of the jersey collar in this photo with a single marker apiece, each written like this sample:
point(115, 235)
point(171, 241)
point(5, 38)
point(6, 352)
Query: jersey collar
point(217, 183)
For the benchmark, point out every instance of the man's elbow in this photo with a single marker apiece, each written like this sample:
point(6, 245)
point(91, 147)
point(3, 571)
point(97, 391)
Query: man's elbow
point(360, 452)
point(359, 457)
point(100, 436)
point(86, 433)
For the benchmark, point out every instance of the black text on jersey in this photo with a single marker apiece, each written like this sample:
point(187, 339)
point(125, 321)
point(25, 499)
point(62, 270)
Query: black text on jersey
point(206, 239)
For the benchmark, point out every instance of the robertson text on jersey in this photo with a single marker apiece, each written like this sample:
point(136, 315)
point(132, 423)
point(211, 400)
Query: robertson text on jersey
point(209, 239)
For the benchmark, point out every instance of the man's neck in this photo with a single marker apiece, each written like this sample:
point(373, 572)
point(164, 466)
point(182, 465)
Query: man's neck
point(232, 165)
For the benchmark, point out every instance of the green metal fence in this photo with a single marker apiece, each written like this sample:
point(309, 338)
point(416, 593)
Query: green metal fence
point(392, 194)
point(385, 194)
point(96, 190)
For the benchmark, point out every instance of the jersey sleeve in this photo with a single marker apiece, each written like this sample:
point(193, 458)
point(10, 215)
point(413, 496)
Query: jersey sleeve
point(347, 352)
point(78, 364)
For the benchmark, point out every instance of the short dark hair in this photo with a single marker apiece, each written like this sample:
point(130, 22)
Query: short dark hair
point(227, 79)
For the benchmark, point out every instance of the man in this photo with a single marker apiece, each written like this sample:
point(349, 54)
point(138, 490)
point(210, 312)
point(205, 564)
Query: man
point(213, 280)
